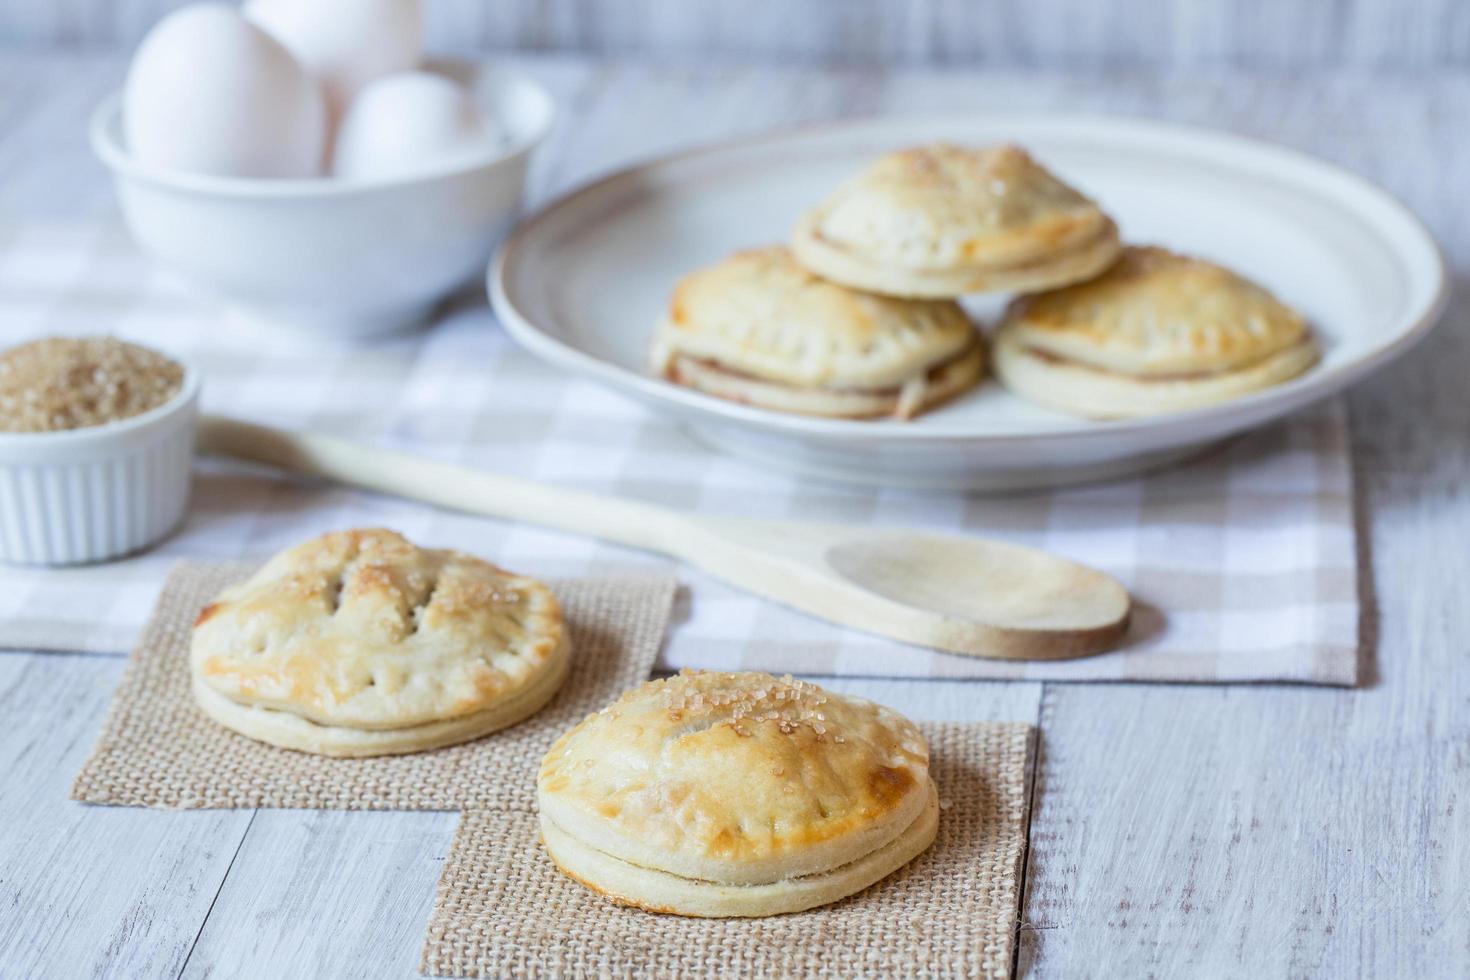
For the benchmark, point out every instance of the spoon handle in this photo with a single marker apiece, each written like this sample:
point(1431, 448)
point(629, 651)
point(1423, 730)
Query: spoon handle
point(446, 485)
point(819, 569)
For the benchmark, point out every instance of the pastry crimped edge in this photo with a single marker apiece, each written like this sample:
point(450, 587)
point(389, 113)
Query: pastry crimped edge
point(289, 731)
point(660, 891)
point(1158, 313)
point(934, 386)
point(1094, 392)
point(1074, 263)
point(760, 328)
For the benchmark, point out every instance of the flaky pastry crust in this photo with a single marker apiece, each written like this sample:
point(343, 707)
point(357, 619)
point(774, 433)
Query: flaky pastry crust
point(1158, 332)
point(363, 632)
point(759, 328)
point(941, 220)
point(734, 780)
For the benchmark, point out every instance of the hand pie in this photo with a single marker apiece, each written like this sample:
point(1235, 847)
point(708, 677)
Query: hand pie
point(359, 643)
point(939, 221)
point(1157, 333)
point(721, 795)
point(757, 328)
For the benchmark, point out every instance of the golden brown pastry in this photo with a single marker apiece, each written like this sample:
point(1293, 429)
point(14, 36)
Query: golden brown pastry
point(758, 328)
point(1157, 333)
point(360, 643)
point(720, 794)
point(940, 221)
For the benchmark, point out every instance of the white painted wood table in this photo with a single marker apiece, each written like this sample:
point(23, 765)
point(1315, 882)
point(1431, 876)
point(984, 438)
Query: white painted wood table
point(1178, 831)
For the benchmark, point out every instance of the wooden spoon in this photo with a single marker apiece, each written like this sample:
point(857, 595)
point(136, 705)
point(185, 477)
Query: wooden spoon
point(961, 594)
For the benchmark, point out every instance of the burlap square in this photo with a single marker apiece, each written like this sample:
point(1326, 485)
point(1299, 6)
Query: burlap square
point(502, 909)
point(157, 749)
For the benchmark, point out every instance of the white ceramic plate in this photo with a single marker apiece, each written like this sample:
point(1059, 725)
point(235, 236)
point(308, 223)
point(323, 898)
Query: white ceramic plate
point(582, 282)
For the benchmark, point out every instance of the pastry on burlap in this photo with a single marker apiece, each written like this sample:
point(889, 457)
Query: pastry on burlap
point(721, 794)
point(359, 643)
point(503, 909)
point(158, 749)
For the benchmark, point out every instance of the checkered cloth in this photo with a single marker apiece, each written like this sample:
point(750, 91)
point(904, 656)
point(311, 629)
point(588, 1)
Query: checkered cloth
point(1243, 563)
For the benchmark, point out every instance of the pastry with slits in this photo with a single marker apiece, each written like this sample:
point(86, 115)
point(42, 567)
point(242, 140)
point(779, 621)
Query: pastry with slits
point(360, 643)
point(757, 328)
point(1158, 332)
point(736, 794)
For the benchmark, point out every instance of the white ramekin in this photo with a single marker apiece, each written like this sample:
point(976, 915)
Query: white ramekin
point(90, 494)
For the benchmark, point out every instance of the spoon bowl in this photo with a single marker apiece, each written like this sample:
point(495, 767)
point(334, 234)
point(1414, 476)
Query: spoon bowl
point(966, 595)
point(985, 581)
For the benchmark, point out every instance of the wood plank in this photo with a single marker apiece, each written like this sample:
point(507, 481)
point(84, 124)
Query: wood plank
point(87, 890)
point(325, 894)
point(1190, 833)
point(46, 167)
point(1068, 34)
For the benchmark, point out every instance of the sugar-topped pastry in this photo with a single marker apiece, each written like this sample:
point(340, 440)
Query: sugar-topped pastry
point(736, 794)
point(1157, 333)
point(940, 221)
point(360, 643)
point(757, 328)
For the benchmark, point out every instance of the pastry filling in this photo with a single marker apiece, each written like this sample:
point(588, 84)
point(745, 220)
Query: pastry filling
point(903, 400)
point(1051, 357)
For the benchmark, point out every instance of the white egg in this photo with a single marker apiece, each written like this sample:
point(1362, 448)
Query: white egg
point(406, 123)
point(208, 92)
point(345, 43)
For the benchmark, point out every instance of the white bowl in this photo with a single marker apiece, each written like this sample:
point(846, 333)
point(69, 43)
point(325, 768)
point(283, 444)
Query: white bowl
point(327, 256)
point(90, 494)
